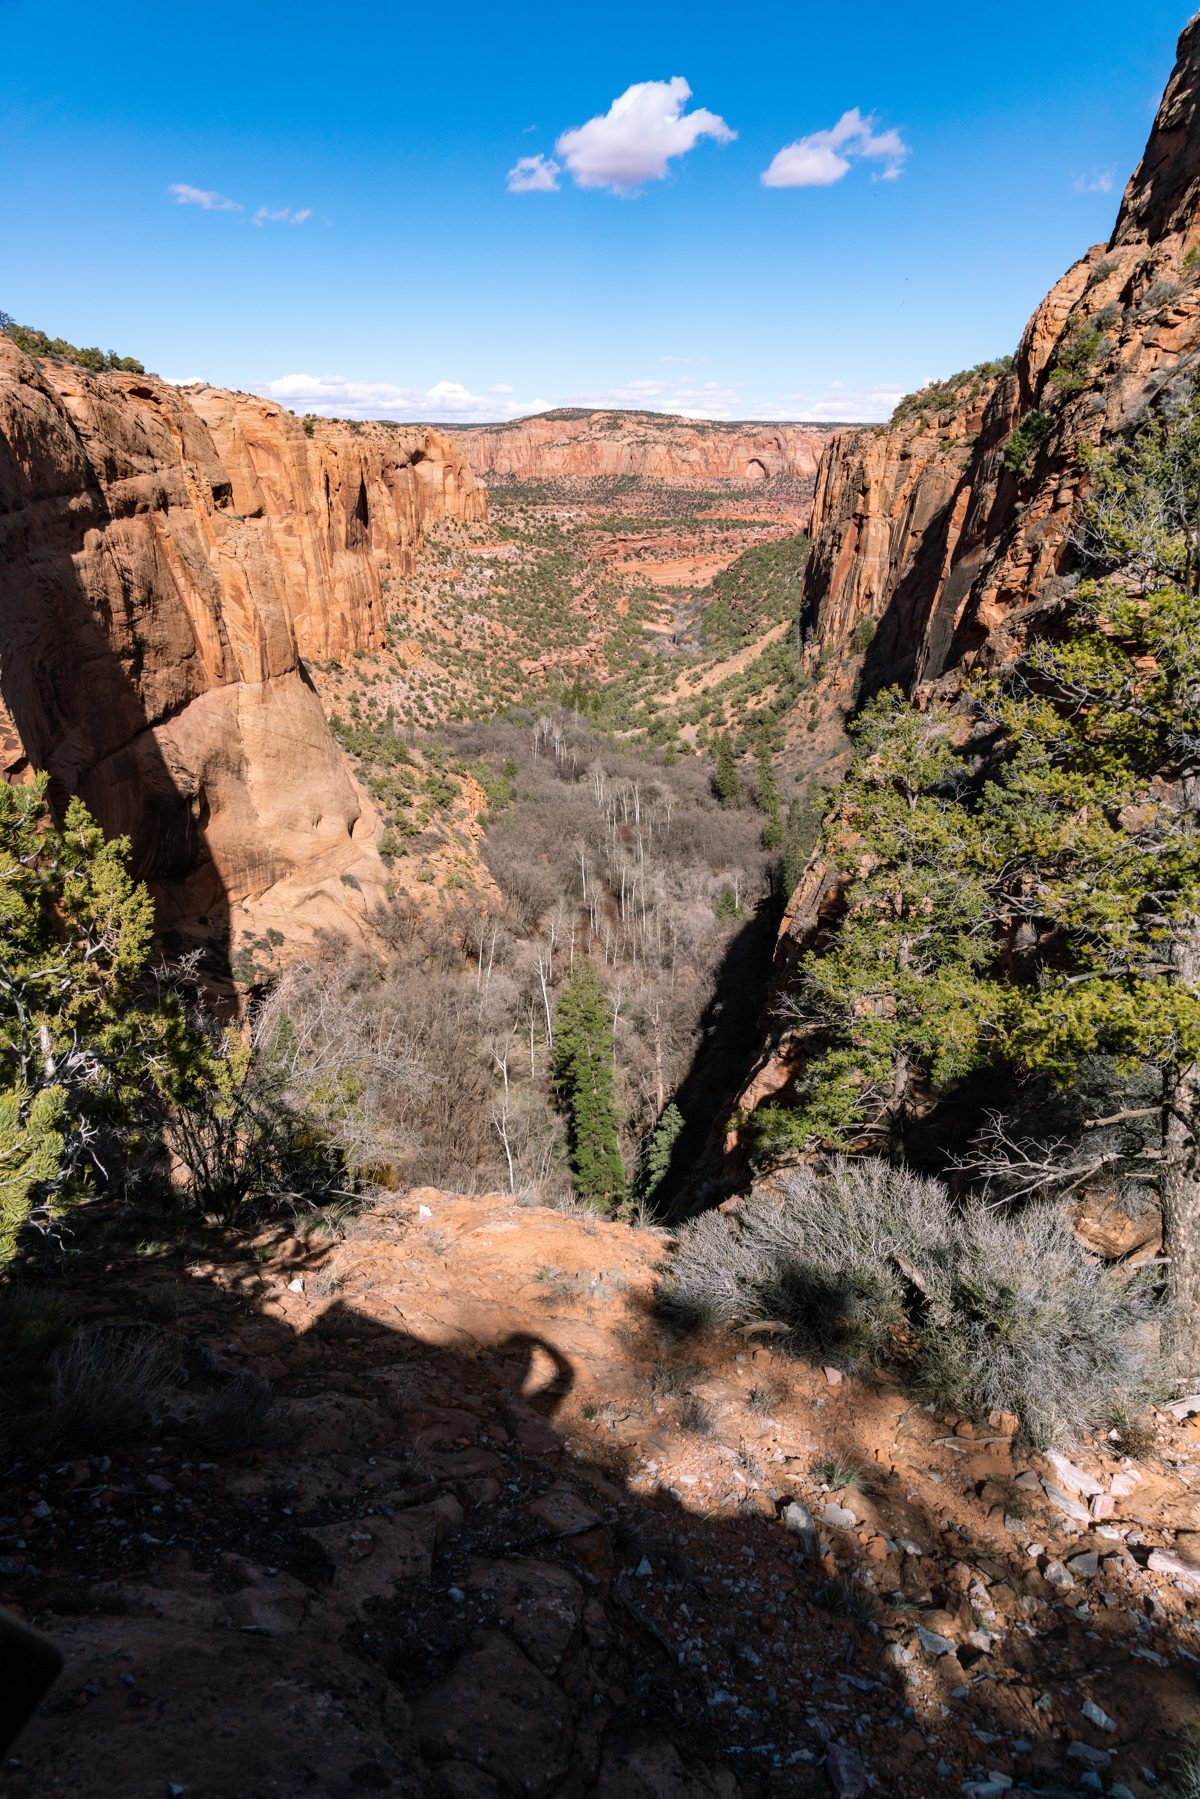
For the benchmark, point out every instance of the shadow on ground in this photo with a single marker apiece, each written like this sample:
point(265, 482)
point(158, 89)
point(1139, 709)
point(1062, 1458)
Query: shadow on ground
point(437, 1568)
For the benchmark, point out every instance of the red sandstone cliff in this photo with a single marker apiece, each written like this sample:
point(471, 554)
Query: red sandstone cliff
point(921, 526)
point(167, 557)
point(925, 530)
point(654, 446)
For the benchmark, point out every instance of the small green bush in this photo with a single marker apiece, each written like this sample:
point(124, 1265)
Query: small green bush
point(1023, 442)
point(36, 343)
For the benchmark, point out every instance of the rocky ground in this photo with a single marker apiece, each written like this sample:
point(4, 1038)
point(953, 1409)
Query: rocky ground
point(498, 1530)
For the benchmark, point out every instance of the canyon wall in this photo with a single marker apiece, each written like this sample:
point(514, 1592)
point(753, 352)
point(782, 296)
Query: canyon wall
point(943, 536)
point(168, 557)
point(654, 446)
point(927, 528)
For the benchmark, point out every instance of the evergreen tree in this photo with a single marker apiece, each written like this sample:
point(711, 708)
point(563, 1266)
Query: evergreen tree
point(726, 782)
point(585, 1084)
point(660, 1149)
point(767, 796)
point(1047, 917)
point(86, 1050)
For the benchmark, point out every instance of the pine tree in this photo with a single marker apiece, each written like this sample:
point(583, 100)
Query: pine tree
point(767, 796)
point(585, 1084)
point(660, 1150)
point(726, 782)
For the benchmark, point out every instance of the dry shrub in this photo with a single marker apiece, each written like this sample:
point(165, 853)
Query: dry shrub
point(983, 1309)
point(238, 1415)
point(107, 1388)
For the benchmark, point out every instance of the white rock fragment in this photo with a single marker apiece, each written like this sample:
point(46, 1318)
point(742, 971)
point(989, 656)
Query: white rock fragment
point(838, 1517)
point(1075, 1480)
point(1163, 1562)
point(1070, 1508)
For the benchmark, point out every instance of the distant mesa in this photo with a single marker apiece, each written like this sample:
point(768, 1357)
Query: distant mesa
point(575, 443)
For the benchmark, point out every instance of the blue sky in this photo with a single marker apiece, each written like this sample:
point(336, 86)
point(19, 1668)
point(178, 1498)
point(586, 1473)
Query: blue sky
point(931, 170)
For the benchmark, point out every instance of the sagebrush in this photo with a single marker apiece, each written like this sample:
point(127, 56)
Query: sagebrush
point(983, 1309)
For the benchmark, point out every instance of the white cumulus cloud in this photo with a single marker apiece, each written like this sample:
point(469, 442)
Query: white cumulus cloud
point(823, 157)
point(336, 396)
point(204, 197)
point(637, 137)
point(534, 175)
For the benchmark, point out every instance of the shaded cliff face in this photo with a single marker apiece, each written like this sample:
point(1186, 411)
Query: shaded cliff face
point(653, 446)
point(927, 531)
point(166, 558)
point(924, 528)
point(342, 509)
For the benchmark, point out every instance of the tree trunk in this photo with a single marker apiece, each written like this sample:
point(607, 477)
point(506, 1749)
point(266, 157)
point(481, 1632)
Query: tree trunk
point(1180, 1194)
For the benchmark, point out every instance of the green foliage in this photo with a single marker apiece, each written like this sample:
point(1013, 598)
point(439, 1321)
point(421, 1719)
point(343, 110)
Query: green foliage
point(1025, 922)
point(1081, 343)
point(585, 1083)
point(660, 1150)
point(36, 343)
point(904, 987)
point(726, 781)
point(758, 589)
point(1023, 442)
point(31, 1155)
point(1140, 510)
point(244, 1151)
point(88, 1051)
point(968, 384)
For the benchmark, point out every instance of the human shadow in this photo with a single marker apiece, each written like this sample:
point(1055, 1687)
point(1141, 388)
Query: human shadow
point(474, 1564)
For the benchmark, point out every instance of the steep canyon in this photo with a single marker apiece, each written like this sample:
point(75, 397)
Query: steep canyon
point(168, 558)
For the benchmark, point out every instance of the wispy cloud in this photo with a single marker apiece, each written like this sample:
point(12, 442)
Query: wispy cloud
point(206, 198)
point(639, 135)
point(283, 216)
point(210, 201)
point(690, 399)
point(824, 157)
point(534, 175)
point(336, 396)
point(683, 361)
point(1096, 181)
point(835, 403)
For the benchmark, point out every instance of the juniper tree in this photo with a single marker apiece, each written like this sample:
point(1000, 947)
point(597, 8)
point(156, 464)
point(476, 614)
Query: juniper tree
point(1048, 915)
point(88, 1051)
point(585, 1085)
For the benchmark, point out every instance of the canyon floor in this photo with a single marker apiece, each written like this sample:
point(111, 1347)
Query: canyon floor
point(495, 1528)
